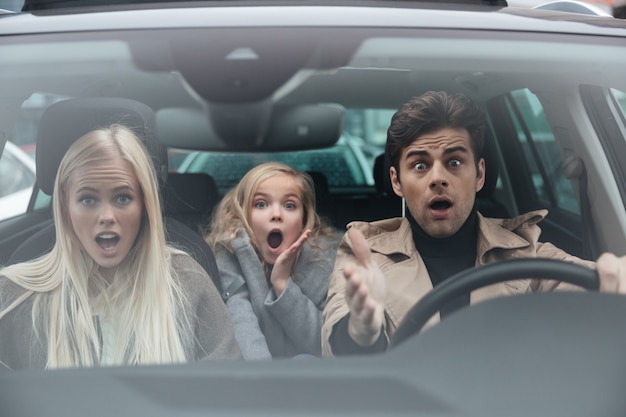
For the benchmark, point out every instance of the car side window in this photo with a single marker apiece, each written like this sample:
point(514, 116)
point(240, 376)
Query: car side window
point(620, 97)
point(541, 152)
point(17, 177)
point(13, 176)
point(18, 158)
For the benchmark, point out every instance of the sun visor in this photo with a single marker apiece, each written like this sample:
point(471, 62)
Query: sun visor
point(288, 128)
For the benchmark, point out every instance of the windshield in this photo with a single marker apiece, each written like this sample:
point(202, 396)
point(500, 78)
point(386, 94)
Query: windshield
point(232, 208)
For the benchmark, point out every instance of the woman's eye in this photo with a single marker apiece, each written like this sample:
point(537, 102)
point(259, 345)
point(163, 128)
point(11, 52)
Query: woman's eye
point(455, 163)
point(87, 201)
point(124, 199)
point(420, 166)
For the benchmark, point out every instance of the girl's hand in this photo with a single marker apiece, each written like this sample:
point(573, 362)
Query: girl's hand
point(284, 264)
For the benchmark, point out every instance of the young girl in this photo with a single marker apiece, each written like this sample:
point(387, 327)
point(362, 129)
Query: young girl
point(111, 292)
point(275, 256)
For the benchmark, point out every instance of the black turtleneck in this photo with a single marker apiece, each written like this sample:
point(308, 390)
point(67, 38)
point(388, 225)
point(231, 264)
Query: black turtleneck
point(447, 256)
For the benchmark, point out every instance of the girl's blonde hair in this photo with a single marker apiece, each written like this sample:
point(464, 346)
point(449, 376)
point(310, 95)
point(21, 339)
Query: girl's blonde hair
point(233, 212)
point(145, 298)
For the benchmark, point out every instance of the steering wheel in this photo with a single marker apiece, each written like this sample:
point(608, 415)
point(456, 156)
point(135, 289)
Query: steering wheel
point(474, 278)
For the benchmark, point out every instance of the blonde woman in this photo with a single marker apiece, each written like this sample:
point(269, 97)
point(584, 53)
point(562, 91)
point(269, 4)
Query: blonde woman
point(275, 256)
point(111, 292)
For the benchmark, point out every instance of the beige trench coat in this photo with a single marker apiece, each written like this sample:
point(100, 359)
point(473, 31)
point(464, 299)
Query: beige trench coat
point(407, 279)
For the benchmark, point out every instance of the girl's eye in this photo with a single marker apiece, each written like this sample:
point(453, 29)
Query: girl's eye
point(290, 206)
point(260, 204)
point(455, 163)
point(420, 166)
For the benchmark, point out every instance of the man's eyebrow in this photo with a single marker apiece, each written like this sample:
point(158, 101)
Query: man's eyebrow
point(454, 149)
point(417, 152)
point(421, 152)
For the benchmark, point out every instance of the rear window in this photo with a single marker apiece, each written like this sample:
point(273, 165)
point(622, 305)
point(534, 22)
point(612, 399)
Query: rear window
point(340, 164)
point(347, 166)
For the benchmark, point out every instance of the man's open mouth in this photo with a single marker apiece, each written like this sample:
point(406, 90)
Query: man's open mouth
point(275, 239)
point(440, 205)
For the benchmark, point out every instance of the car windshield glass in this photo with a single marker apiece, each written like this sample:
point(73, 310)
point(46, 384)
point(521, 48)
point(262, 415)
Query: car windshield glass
point(422, 142)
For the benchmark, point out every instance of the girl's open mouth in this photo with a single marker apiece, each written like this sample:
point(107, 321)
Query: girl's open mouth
point(274, 239)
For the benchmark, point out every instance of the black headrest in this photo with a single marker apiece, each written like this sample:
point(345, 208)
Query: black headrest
point(320, 183)
point(382, 178)
point(491, 167)
point(65, 121)
point(190, 193)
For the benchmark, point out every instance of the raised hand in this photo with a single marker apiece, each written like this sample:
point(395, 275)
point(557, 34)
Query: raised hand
point(284, 264)
point(365, 293)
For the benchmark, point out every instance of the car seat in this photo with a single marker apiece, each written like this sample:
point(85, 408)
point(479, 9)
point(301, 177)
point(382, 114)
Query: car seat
point(324, 204)
point(190, 198)
point(64, 122)
point(387, 201)
point(486, 203)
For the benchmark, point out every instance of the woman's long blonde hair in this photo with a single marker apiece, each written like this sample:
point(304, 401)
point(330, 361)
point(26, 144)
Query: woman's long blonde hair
point(233, 212)
point(144, 295)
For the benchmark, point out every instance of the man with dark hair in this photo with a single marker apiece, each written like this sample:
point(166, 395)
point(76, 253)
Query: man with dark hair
point(383, 268)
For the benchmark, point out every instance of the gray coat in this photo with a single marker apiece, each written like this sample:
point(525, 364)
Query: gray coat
point(214, 337)
point(267, 326)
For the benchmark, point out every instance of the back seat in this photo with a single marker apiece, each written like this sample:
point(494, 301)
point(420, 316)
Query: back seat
point(190, 198)
point(340, 210)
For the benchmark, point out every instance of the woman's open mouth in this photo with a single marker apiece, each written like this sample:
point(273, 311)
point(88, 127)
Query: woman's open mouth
point(107, 241)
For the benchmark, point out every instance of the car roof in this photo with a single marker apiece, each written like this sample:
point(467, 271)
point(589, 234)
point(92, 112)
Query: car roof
point(574, 7)
point(289, 14)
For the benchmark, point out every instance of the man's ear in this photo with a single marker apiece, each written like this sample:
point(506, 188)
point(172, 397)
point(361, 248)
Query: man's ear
point(395, 182)
point(480, 175)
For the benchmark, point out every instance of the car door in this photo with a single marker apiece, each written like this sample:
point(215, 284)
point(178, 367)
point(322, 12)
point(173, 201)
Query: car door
point(534, 166)
point(34, 212)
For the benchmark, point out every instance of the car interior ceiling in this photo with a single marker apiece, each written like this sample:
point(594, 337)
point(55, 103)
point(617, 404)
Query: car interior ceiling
point(388, 85)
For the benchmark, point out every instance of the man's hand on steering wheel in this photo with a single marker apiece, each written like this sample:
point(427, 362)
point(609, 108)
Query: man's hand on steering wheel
point(612, 273)
point(609, 276)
